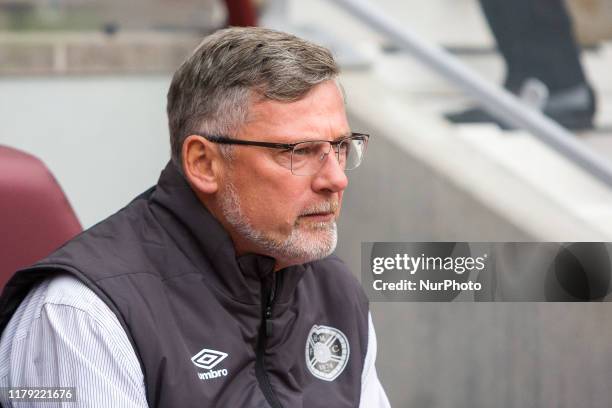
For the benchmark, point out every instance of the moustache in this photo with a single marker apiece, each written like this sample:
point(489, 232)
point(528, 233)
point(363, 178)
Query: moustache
point(323, 207)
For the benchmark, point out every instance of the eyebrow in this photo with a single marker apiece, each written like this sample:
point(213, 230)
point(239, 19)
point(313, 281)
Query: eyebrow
point(342, 136)
point(319, 139)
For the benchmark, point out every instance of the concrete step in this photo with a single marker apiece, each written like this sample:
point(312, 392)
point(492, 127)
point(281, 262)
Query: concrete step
point(69, 53)
point(530, 187)
point(546, 171)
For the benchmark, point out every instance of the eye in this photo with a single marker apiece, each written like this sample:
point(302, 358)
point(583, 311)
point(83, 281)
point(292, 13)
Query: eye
point(285, 154)
point(302, 151)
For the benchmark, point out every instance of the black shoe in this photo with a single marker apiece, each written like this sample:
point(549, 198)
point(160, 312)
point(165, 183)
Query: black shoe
point(573, 108)
point(470, 115)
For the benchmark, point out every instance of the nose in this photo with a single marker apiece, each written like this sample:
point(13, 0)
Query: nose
point(331, 178)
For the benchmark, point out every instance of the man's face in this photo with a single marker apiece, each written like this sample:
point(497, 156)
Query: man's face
point(269, 210)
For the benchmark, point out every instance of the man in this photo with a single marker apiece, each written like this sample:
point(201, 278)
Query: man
point(536, 41)
point(216, 287)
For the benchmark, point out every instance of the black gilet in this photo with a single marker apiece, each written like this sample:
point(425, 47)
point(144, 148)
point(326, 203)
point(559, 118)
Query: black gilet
point(211, 329)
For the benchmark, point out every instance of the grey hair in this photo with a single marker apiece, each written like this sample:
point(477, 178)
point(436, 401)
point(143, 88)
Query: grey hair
point(212, 90)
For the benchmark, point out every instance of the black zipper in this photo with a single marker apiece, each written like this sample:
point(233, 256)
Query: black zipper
point(265, 330)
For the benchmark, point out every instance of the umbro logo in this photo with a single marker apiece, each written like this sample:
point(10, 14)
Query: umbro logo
point(209, 359)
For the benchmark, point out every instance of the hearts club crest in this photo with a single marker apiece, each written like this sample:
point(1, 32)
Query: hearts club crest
point(327, 352)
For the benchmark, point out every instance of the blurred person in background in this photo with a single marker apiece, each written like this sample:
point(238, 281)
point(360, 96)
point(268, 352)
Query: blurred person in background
point(536, 41)
point(241, 13)
point(217, 287)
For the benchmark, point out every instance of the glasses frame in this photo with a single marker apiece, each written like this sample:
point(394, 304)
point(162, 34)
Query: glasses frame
point(285, 146)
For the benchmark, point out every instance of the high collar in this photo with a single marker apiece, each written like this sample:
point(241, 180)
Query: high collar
point(202, 239)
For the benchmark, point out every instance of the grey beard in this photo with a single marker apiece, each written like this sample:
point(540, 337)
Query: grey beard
point(299, 247)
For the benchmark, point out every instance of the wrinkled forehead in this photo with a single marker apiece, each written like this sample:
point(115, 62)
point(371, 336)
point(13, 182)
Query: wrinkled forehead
point(319, 115)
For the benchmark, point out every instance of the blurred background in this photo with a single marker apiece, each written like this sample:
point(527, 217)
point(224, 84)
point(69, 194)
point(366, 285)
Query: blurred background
point(463, 99)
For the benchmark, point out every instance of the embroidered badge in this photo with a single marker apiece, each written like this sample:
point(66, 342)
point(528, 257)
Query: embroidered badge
point(327, 352)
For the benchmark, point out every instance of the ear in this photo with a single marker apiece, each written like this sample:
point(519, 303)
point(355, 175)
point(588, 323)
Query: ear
point(201, 164)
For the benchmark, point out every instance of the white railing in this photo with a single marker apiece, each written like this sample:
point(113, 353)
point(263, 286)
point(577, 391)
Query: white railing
point(494, 99)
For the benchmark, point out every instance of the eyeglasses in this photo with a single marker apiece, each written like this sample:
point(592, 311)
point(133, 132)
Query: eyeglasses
point(307, 158)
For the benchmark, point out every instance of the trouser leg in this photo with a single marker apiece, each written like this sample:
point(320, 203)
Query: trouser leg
point(535, 39)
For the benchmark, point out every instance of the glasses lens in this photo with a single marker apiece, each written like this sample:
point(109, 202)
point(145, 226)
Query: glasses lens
point(308, 157)
point(352, 152)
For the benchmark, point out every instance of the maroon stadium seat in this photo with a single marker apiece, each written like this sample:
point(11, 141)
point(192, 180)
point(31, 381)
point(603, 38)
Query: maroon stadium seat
point(35, 216)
